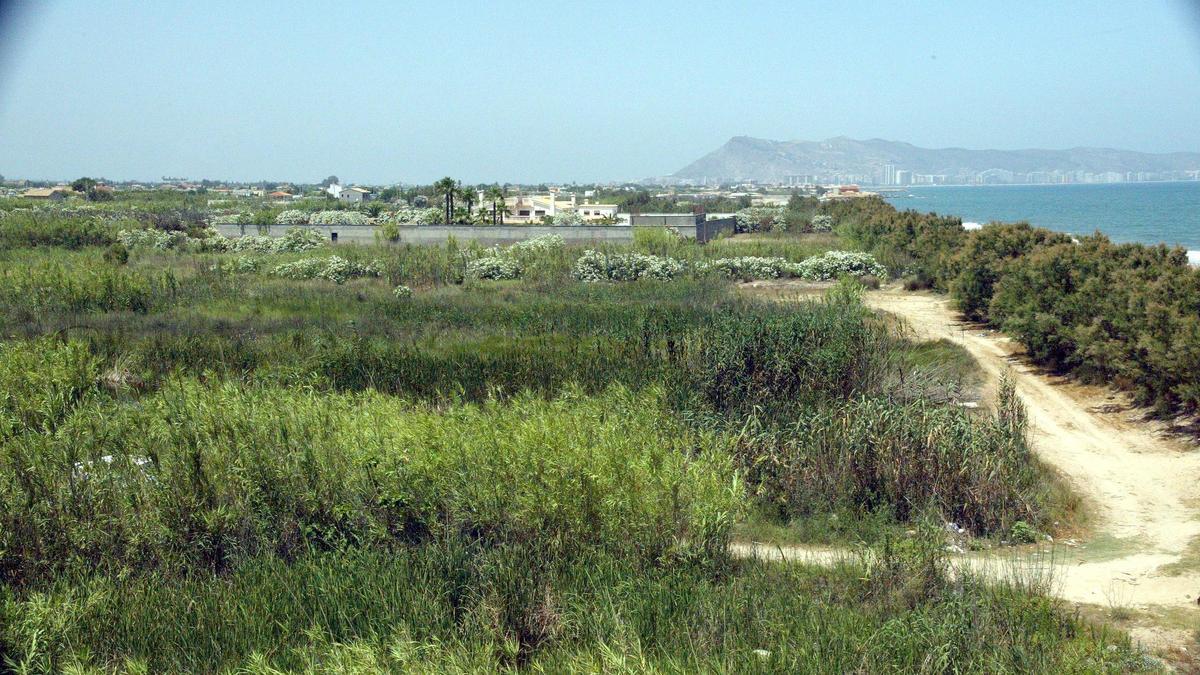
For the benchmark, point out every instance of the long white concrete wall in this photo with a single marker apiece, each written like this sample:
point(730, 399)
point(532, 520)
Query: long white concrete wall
point(439, 234)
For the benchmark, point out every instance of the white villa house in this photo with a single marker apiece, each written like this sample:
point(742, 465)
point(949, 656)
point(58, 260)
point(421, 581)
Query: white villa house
point(533, 208)
point(354, 195)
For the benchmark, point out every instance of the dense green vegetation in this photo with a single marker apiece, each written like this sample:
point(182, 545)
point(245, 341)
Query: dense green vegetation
point(1128, 314)
point(209, 466)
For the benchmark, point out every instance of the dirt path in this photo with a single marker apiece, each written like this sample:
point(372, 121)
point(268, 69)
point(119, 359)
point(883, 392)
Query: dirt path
point(1143, 487)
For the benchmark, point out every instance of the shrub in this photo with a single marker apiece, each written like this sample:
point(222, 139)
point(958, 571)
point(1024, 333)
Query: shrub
point(547, 243)
point(292, 217)
point(334, 268)
point(494, 267)
point(982, 260)
point(567, 218)
point(209, 241)
point(595, 266)
point(1023, 533)
point(338, 218)
point(836, 264)
point(298, 240)
point(240, 265)
point(402, 292)
point(822, 222)
point(656, 240)
point(746, 267)
point(759, 218)
point(116, 254)
point(158, 240)
point(389, 231)
point(26, 228)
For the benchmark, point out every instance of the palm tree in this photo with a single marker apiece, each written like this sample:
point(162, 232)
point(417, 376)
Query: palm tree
point(447, 187)
point(467, 194)
point(495, 195)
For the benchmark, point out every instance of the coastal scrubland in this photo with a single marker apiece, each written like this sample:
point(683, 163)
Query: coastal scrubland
point(1125, 314)
point(264, 457)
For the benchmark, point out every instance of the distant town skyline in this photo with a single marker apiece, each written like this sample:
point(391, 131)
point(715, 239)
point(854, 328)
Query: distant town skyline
point(394, 93)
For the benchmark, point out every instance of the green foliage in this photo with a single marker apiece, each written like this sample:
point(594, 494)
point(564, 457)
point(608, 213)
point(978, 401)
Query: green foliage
point(911, 459)
point(1122, 314)
point(23, 229)
point(981, 261)
point(1023, 533)
point(817, 352)
point(467, 610)
point(906, 242)
point(52, 287)
point(41, 382)
point(202, 477)
point(658, 241)
point(1128, 314)
point(264, 474)
point(116, 254)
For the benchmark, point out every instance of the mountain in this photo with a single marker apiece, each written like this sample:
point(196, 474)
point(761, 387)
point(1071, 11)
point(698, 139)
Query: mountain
point(745, 158)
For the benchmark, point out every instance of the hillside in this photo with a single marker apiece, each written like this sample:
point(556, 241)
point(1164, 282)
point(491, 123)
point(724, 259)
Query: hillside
point(745, 158)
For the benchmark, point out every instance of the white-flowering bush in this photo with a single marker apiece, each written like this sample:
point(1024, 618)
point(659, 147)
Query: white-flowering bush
point(546, 243)
point(412, 216)
point(834, 264)
point(211, 242)
point(430, 216)
point(298, 240)
point(822, 223)
point(149, 238)
point(759, 218)
point(595, 266)
point(403, 292)
point(292, 217)
point(338, 218)
point(494, 267)
point(570, 217)
point(294, 240)
point(334, 268)
point(746, 267)
point(253, 244)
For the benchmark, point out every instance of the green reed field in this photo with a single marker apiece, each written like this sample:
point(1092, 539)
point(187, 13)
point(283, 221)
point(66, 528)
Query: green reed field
point(209, 465)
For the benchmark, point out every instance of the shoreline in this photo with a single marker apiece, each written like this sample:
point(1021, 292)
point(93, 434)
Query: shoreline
point(1151, 213)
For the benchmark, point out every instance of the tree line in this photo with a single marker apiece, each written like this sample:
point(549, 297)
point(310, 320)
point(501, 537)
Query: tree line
point(1126, 314)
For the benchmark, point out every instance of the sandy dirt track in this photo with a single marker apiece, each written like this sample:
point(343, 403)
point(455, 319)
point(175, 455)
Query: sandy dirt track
point(1141, 485)
point(1143, 488)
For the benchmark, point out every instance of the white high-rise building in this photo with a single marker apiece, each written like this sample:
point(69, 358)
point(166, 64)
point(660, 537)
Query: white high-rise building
point(889, 174)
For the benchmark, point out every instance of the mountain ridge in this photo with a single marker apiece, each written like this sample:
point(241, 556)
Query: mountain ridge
point(750, 158)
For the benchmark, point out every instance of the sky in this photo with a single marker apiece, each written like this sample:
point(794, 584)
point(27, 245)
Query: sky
point(508, 91)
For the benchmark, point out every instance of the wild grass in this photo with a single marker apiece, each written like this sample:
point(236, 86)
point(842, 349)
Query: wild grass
point(911, 458)
point(205, 477)
point(449, 609)
point(210, 470)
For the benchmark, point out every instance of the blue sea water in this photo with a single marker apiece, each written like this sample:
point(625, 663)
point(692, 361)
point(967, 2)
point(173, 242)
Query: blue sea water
point(1149, 213)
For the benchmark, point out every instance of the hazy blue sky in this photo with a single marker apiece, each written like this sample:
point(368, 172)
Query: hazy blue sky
point(525, 91)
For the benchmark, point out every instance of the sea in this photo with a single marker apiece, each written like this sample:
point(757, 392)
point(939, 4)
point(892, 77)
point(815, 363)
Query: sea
point(1148, 213)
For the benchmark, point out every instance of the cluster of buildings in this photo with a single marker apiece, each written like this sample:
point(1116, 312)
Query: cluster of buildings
point(521, 208)
point(891, 175)
point(533, 208)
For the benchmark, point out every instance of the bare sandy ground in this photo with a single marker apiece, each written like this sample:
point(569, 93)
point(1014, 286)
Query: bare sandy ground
point(1141, 485)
